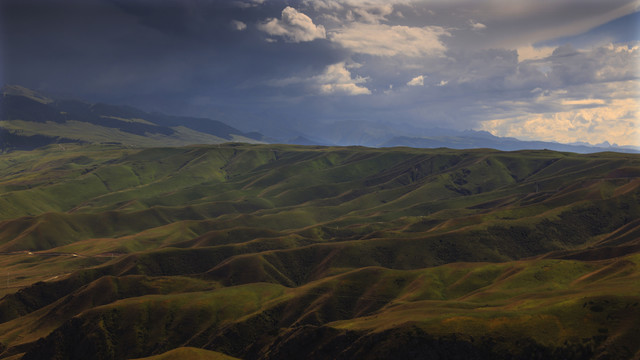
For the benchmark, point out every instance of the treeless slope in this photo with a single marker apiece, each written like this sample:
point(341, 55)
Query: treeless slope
point(189, 353)
point(272, 251)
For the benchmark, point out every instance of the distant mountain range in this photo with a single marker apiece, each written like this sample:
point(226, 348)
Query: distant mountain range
point(29, 120)
point(480, 139)
point(385, 135)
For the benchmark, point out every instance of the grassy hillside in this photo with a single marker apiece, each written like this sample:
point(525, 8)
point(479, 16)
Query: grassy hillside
point(279, 251)
point(189, 353)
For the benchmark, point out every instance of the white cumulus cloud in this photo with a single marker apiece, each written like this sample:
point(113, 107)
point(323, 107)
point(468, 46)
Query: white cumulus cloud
point(416, 81)
point(336, 79)
point(294, 26)
point(386, 40)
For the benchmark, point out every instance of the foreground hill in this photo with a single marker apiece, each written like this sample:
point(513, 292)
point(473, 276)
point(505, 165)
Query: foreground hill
point(29, 120)
point(275, 251)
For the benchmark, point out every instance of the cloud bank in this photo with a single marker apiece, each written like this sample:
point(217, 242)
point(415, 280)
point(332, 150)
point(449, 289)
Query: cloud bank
point(565, 70)
point(386, 40)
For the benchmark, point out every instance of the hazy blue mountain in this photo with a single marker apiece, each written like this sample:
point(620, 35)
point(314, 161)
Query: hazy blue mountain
point(383, 135)
point(480, 139)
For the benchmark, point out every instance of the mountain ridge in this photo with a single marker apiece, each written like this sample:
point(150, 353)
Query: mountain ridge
point(25, 113)
point(382, 135)
point(29, 119)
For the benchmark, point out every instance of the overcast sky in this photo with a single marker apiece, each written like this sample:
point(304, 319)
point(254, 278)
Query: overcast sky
point(553, 70)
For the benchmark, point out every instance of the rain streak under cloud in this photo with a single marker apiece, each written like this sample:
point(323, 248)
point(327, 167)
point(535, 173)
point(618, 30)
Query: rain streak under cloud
point(565, 71)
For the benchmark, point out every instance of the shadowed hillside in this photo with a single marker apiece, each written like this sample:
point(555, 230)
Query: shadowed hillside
point(280, 251)
point(29, 120)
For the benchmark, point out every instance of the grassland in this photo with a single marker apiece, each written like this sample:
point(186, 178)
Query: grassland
point(278, 251)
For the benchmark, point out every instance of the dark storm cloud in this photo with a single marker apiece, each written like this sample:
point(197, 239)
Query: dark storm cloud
point(279, 65)
point(106, 47)
point(90, 46)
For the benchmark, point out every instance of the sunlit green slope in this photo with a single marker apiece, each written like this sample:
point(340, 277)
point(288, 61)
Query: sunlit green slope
point(276, 251)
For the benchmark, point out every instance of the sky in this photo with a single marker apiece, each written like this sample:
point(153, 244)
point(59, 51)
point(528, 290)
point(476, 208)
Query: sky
point(551, 70)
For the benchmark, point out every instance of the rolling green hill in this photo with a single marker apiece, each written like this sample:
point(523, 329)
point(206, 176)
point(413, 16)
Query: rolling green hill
point(280, 251)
